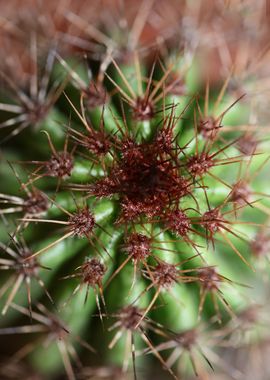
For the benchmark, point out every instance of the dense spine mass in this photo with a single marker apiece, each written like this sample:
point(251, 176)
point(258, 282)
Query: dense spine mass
point(134, 224)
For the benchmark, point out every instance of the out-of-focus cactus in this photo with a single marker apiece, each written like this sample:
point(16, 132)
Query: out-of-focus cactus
point(134, 198)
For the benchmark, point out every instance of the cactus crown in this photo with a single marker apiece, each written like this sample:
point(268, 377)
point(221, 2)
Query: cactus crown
point(141, 187)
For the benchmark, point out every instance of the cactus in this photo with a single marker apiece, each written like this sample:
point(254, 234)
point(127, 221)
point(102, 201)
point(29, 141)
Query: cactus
point(134, 199)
